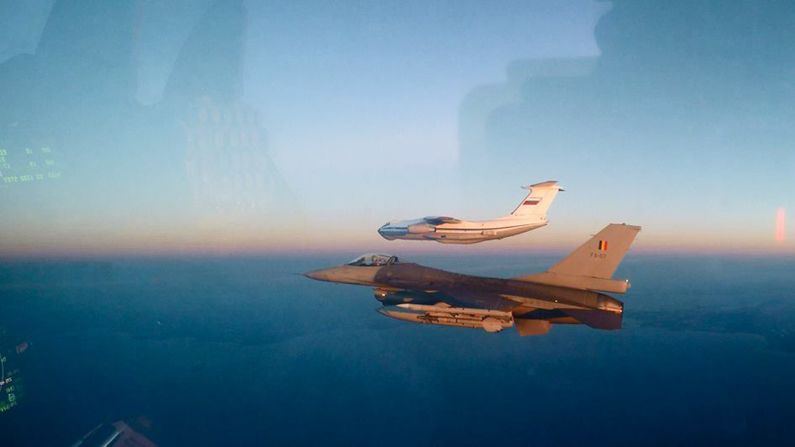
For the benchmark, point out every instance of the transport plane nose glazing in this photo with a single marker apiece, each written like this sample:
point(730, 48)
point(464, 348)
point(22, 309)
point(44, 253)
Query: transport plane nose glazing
point(388, 231)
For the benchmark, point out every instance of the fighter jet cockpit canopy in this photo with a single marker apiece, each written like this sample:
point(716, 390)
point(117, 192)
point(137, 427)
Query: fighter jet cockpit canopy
point(374, 259)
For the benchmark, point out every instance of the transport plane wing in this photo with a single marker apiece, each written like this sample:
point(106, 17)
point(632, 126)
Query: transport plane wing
point(569, 292)
point(438, 220)
point(531, 213)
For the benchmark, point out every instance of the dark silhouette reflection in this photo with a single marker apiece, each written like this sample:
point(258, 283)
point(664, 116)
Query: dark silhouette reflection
point(77, 142)
point(684, 95)
point(228, 166)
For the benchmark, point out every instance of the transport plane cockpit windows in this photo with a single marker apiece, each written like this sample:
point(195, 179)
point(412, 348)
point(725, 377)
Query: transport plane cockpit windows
point(372, 259)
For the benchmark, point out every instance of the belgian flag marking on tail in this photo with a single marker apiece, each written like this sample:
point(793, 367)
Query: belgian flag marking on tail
point(602, 245)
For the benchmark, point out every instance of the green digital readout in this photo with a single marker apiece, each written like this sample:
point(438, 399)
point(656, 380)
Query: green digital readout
point(10, 380)
point(28, 164)
point(8, 386)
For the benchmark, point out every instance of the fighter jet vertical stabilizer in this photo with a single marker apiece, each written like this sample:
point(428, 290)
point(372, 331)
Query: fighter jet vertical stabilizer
point(592, 264)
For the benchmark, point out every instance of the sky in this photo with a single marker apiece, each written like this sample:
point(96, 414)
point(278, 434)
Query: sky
point(229, 126)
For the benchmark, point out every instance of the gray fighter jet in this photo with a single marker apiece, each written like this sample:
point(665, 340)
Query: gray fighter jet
point(568, 293)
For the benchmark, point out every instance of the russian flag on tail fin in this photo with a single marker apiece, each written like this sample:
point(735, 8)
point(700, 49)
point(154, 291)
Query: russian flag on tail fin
point(538, 200)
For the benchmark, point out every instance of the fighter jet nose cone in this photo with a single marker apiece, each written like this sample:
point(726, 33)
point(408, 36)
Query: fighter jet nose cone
point(318, 275)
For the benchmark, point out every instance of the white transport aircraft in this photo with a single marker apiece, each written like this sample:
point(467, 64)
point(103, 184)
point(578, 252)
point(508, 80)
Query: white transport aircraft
point(529, 215)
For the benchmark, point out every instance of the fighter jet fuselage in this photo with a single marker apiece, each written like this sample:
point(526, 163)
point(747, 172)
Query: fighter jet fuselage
point(428, 284)
point(569, 292)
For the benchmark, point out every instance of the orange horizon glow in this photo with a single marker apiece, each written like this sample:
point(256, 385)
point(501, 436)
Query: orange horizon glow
point(301, 237)
point(287, 243)
point(781, 217)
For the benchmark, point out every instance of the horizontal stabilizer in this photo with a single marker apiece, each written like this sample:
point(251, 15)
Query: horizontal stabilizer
point(531, 327)
point(597, 319)
point(577, 282)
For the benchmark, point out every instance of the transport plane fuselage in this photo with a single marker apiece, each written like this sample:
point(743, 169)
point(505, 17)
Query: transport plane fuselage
point(530, 214)
point(460, 231)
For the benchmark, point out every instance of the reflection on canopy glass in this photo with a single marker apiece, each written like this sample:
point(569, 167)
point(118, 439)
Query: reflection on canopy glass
point(168, 170)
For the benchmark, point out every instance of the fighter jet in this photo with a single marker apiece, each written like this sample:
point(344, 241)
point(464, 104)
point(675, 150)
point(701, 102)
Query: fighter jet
point(531, 213)
point(570, 292)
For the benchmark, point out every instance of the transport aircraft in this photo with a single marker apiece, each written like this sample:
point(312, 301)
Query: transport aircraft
point(531, 213)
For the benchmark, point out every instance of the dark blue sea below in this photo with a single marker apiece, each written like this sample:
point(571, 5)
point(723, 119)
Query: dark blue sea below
point(246, 351)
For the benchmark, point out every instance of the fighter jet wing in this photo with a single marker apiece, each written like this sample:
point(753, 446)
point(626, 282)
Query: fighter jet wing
point(455, 298)
point(438, 220)
point(465, 297)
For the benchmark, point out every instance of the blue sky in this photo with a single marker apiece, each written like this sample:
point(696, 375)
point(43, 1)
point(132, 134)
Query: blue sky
point(370, 112)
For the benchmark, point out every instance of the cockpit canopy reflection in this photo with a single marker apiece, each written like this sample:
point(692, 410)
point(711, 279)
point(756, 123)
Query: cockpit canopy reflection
point(374, 259)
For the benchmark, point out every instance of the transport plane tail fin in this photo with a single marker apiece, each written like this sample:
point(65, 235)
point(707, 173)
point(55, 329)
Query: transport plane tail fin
point(539, 197)
point(592, 264)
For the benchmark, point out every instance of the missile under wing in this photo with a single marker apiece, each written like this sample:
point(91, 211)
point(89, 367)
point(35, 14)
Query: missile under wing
point(531, 213)
point(569, 292)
